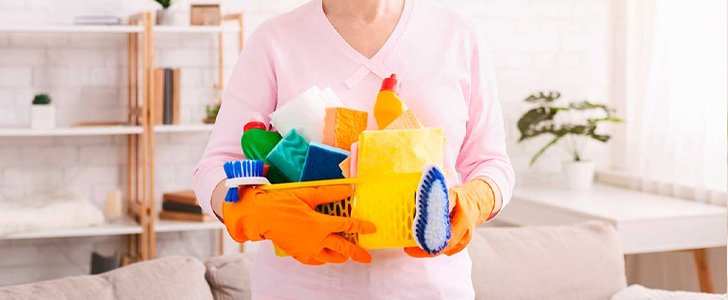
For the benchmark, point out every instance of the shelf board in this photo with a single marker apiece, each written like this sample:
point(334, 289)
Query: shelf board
point(183, 128)
point(195, 29)
point(120, 227)
point(69, 28)
point(71, 131)
point(176, 226)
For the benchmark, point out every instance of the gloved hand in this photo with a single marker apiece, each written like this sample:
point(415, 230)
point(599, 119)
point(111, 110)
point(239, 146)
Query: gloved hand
point(288, 219)
point(473, 203)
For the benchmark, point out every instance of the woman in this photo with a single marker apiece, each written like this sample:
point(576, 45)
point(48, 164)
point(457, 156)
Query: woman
point(350, 46)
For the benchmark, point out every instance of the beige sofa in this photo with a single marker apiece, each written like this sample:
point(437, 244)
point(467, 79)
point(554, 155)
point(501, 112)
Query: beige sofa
point(570, 262)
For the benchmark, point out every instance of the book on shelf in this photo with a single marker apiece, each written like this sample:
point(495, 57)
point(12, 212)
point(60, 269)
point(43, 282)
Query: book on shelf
point(167, 119)
point(181, 207)
point(176, 77)
point(183, 216)
point(158, 96)
point(167, 96)
point(183, 197)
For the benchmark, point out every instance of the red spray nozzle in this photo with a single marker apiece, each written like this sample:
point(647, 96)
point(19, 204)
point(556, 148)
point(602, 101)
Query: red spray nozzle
point(255, 120)
point(390, 84)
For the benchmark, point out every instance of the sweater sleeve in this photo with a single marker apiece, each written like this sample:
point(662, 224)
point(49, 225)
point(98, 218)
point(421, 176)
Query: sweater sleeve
point(251, 88)
point(483, 152)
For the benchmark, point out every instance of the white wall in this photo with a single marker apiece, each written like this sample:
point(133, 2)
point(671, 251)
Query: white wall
point(537, 45)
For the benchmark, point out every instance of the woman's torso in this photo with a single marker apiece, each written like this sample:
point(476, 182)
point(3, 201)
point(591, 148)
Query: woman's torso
point(429, 51)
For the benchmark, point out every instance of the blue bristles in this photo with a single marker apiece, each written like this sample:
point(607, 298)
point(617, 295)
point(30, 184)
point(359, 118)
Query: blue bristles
point(432, 218)
point(238, 169)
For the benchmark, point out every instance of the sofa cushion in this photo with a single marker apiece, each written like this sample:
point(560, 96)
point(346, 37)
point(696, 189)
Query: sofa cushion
point(166, 278)
point(229, 276)
point(176, 277)
point(556, 262)
point(79, 287)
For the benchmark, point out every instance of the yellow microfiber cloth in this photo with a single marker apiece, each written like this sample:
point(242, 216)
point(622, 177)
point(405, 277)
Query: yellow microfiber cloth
point(407, 120)
point(342, 127)
point(385, 152)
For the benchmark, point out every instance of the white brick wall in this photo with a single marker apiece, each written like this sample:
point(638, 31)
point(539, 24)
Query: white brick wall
point(536, 44)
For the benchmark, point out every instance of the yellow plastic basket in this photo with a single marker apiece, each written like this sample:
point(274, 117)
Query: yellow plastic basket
point(388, 202)
point(389, 171)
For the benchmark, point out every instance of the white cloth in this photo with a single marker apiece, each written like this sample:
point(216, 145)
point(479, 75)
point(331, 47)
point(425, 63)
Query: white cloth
point(305, 113)
point(60, 210)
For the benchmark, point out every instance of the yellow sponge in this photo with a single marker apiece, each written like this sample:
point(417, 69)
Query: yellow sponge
point(342, 127)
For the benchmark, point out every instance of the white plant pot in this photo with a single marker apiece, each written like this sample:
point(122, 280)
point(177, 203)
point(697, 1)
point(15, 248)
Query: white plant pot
point(579, 175)
point(165, 17)
point(42, 116)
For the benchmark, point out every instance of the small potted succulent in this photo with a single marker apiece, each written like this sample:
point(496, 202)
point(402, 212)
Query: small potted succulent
point(211, 111)
point(214, 97)
point(571, 126)
point(164, 16)
point(42, 112)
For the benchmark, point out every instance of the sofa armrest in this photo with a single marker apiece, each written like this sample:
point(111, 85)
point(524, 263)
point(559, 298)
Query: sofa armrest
point(173, 277)
point(229, 276)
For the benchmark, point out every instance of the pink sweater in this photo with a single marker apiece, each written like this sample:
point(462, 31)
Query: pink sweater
point(446, 79)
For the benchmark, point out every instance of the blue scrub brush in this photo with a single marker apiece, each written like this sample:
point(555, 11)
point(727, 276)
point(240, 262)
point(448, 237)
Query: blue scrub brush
point(242, 172)
point(431, 228)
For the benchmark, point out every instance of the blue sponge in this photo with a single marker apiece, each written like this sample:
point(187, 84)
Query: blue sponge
point(322, 162)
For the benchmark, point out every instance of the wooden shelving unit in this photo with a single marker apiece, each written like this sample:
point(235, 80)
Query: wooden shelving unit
point(141, 223)
point(135, 224)
point(157, 225)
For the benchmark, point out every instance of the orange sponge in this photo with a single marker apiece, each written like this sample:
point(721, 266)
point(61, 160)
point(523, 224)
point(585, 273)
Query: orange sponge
point(342, 127)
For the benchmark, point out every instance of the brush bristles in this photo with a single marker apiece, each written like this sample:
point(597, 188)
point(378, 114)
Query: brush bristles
point(432, 220)
point(232, 195)
point(238, 169)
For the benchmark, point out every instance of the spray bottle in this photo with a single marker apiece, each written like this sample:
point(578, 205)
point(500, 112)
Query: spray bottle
point(257, 142)
point(388, 105)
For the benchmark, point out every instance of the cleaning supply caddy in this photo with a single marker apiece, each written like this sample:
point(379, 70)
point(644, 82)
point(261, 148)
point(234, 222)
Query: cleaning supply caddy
point(395, 171)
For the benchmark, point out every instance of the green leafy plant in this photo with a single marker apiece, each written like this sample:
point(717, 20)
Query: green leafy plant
point(212, 111)
point(572, 135)
point(165, 3)
point(42, 99)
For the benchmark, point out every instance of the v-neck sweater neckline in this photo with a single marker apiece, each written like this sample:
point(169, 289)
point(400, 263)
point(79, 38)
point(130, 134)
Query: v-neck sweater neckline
point(376, 64)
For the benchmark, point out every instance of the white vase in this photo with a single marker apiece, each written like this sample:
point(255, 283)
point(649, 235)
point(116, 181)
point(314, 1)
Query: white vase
point(165, 17)
point(579, 175)
point(42, 116)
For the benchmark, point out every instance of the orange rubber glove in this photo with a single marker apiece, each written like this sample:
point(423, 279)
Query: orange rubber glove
point(473, 204)
point(288, 219)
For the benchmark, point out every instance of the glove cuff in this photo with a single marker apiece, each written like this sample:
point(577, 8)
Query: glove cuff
point(232, 217)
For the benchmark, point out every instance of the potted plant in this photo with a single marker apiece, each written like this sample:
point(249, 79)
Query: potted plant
point(164, 16)
point(571, 126)
point(42, 112)
point(211, 113)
